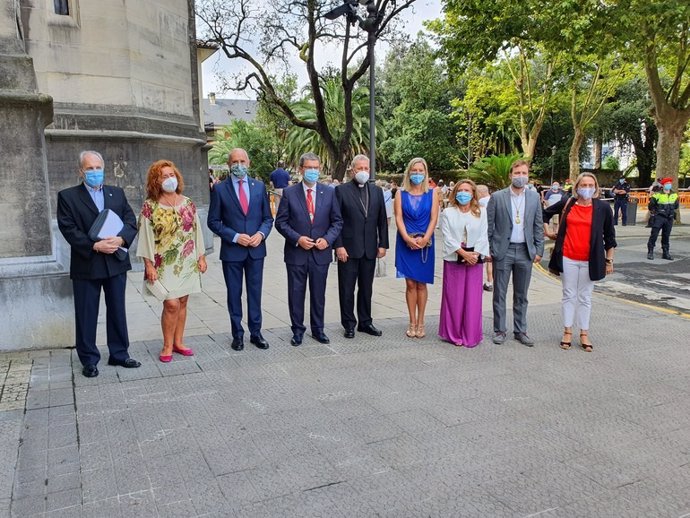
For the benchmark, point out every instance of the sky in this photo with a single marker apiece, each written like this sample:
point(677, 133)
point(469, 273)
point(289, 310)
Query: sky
point(413, 22)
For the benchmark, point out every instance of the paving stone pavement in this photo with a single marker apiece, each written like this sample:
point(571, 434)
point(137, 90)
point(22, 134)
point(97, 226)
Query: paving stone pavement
point(387, 426)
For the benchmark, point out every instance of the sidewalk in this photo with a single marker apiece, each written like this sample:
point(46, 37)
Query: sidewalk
point(387, 426)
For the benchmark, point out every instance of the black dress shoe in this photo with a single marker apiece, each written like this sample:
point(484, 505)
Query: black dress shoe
point(321, 338)
point(370, 330)
point(296, 340)
point(90, 371)
point(129, 363)
point(349, 333)
point(259, 341)
point(237, 344)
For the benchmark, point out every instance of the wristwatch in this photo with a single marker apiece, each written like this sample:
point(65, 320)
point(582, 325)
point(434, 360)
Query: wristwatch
point(609, 261)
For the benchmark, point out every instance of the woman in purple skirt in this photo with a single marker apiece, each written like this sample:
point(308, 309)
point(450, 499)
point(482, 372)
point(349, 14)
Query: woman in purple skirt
point(465, 248)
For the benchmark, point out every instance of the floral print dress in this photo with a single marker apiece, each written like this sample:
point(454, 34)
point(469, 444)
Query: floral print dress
point(171, 238)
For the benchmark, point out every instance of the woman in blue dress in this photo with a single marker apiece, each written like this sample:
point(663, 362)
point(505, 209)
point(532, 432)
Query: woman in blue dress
point(416, 214)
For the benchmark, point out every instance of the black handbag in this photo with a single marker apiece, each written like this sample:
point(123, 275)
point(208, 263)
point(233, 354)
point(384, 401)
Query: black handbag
point(461, 260)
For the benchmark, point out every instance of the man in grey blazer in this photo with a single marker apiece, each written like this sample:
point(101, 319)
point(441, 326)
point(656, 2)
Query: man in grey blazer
point(516, 240)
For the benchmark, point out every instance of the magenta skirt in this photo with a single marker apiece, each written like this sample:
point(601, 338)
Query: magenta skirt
point(460, 322)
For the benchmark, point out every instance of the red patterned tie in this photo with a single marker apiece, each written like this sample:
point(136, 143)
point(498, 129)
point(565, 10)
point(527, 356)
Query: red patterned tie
point(244, 203)
point(310, 206)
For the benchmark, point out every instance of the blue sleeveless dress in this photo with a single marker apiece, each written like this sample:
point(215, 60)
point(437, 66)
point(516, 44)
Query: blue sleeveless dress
point(417, 265)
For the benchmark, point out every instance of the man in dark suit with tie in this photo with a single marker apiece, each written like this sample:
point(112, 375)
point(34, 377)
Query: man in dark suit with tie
point(94, 265)
point(240, 215)
point(363, 239)
point(309, 219)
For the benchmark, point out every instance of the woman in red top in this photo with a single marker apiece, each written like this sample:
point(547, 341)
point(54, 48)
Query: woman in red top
point(582, 254)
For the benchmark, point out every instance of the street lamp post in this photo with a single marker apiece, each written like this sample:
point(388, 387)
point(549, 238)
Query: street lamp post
point(369, 24)
point(553, 160)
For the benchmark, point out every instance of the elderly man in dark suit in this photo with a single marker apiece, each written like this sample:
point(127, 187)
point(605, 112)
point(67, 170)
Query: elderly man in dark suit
point(240, 215)
point(94, 265)
point(364, 238)
point(516, 240)
point(309, 219)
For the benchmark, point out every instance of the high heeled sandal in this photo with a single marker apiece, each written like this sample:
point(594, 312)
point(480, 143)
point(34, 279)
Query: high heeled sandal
point(420, 331)
point(566, 345)
point(587, 347)
point(411, 331)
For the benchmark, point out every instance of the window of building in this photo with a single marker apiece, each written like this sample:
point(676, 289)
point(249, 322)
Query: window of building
point(61, 6)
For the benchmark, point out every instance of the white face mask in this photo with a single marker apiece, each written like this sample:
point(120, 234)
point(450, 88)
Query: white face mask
point(170, 184)
point(362, 177)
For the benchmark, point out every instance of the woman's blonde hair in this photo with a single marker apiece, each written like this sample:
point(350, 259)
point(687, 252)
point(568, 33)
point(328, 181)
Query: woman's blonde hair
point(406, 184)
point(474, 202)
point(579, 179)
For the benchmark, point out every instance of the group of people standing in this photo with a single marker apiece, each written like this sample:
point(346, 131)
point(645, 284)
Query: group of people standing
point(170, 244)
point(509, 234)
point(310, 217)
point(505, 230)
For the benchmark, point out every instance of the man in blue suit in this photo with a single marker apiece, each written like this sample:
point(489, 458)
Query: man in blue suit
point(240, 215)
point(94, 265)
point(309, 219)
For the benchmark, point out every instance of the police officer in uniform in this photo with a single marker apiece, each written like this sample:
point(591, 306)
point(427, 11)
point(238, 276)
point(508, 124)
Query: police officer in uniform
point(662, 207)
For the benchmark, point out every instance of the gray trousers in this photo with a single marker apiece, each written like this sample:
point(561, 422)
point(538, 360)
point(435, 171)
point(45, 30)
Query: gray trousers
point(517, 263)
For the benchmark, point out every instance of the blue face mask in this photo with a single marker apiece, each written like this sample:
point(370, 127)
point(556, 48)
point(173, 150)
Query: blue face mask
point(94, 178)
point(668, 186)
point(239, 170)
point(416, 178)
point(311, 175)
point(585, 193)
point(463, 198)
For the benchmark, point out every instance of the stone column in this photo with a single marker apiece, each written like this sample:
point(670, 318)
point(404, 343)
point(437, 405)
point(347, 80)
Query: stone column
point(34, 288)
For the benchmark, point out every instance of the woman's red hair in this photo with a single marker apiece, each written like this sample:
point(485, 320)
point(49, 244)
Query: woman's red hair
point(153, 179)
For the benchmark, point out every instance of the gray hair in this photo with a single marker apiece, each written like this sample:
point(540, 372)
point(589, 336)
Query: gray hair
point(88, 152)
point(482, 190)
point(236, 149)
point(358, 158)
point(308, 156)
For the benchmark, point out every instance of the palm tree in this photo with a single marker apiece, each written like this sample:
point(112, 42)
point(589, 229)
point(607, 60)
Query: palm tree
point(300, 140)
point(493, 171)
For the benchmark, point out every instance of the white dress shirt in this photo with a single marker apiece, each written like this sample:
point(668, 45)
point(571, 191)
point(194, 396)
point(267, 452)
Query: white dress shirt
point(518, 203)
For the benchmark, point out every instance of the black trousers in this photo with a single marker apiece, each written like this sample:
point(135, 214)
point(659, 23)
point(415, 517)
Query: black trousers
point(664, 225)
point(87, 295)
point(353, 272)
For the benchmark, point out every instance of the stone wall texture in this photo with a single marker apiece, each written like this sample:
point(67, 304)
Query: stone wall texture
point(116, 77)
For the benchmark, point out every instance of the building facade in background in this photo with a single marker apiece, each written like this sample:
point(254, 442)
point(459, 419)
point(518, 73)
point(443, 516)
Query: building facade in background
point(118, 77)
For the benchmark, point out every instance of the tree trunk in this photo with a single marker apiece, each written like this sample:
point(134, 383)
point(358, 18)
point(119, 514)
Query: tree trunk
point(574, 154)
point(668, 148)
point(598, 144)
point(644, 153)
point(670, 128)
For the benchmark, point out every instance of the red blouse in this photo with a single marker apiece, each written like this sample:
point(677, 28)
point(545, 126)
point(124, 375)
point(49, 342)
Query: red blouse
point(578, 233)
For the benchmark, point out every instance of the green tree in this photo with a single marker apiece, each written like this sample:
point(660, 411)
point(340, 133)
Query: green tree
point(300, 140)
point(414, 96)
point(479, 32)
point(258, 143)
point(493, 170)
point(628, 119)
point(263, 36)
point(592, 84)
point(657, 34)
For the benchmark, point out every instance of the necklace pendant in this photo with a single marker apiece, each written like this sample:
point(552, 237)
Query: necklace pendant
point(517, 219)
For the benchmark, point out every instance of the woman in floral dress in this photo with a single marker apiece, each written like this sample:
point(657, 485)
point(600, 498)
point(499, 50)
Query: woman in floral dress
point(172, 247)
